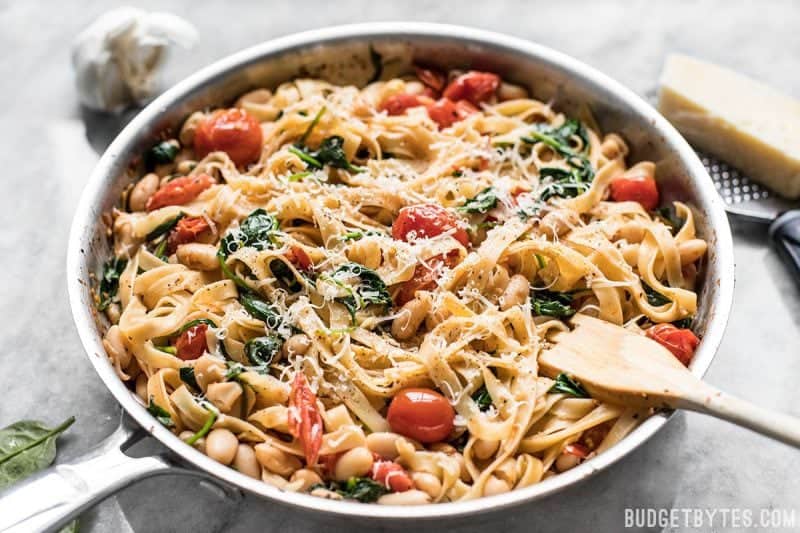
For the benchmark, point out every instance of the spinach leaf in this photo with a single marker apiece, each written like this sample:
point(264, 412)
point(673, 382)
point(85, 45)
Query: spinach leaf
point(27, 447)
point(172, 350)
point(555, 304)
point(160, 414)
point(363, 286)
point(203, 431)
point(684, 323)
point(654, 297)
point(330, 152)
point(564, 183)
point(187, 376)
point(163, 228)
point(234, 369)
point(260, 351)
point(259, 230)
point(260, 309)
point(559, 137)
point(362, 489)
point(482, 398)
point(109, 283)
point(670, 218)
point(568, 385)
point(284, 275)
point(357, 235)
point(196, 322)
point(482, 202)
point(311, 126)
point(163, 153)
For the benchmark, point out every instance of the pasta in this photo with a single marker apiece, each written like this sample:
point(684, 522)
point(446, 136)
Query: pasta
point(344, 290)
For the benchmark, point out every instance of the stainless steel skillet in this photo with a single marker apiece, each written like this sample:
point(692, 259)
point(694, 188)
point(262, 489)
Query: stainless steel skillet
point(348, 54)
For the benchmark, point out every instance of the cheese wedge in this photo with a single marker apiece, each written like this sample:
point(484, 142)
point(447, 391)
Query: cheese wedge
point(741, 121)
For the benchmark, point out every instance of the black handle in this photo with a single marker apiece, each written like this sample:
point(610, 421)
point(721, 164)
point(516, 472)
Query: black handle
point(785, 233)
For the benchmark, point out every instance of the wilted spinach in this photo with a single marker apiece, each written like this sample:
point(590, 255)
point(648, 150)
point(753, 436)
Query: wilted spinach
point(186, 374)
point(654, 297)
point(260, 351)
point(330, 152)
point(109, 283)
point(564, 183)
point(160, 414)
point(555, 304)
point(259, 230)
point(162, 153)
point(260, 309)
point(482, 398)
point(568, 385)
point(670, 217)
point(482, 202)
point(362, 489)
point(684, 323)
point(163, 228)
point(363, 287)
point(559, 137)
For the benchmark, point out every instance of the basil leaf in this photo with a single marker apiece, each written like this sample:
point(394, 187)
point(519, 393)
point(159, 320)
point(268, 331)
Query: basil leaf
point(27, 447)
point(187, 376)
point(482, 202)
point(555, 304)
point(568, 385)
point(654, 298)
point(261, 351)
point(482, 398)
point(109, 283)
point(160, 414)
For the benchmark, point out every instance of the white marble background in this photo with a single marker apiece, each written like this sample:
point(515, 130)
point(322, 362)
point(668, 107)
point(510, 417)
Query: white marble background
point(46, 154)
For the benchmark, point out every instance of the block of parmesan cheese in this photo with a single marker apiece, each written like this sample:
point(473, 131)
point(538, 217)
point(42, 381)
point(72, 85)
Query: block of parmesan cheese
point(735, 118)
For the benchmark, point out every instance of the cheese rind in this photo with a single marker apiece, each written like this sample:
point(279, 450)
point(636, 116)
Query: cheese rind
point(741, 121)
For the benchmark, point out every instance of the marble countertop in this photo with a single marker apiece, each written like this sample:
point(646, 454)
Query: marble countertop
point(48, 147)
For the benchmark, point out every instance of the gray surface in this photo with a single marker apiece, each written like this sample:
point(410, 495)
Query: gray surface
point(695, 462)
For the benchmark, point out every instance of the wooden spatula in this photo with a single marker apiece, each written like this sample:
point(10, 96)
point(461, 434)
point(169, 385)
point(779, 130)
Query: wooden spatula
point(623, 367)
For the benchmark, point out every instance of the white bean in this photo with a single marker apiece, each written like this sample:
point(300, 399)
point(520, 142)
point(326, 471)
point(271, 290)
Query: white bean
point(384, 444)
point(510, 91)
point(410, 317)
point(296, 345)
point(495, 486)
point(353, 463)
point(409, 497)
point(428, 483)
point(309, 478)
point(199, 444)
point(276, 460)
point(142, 191)
point(483, 449)
point(567, 461)
point(221, 445)
point(246, 462)
point(198, 256)
point(516, 292)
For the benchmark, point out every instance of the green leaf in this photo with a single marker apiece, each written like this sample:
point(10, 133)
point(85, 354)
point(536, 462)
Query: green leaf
point(311, 126)
point(160, 414)
point(163, 153)
point(684, 323)
point(109, 283)
point(362, 489)
point(482, 202)
point(260, 309)
point(203, 431)
point(654, 298)
point(357, 235)
point(187, 376)
point(555, 304)
point(163, 228)
point(568, 385)
point(261, 351)
point(308, 159)
point(172, 350)
point(670, 217)
point(559, 137)
point(482, 398)
point(27, 447)
point(330, 152)
point(363, 286)
point(259, 230)
point(196, 322)
point(299, 176)
point(234, 370)
point(565, 183)
point(285, 275)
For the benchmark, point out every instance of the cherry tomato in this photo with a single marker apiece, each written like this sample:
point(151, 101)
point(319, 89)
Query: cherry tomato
point(179, 191)
point(592, 437)
point(299, 258)
point(186, 230)
point(191, 344)
point(446, 112)
point(431, 78)
point(422, 414)
point(475, 87)
point(233, 131)
point(305, 422)
point(397, 104)
point(642, 189)
point(578, 450)
point(423, 221)
point(328, 462)
point(392, 475)
point(681, 342)
point(425, 276)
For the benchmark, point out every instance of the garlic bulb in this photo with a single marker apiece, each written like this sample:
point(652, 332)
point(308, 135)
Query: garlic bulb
point(118, 57)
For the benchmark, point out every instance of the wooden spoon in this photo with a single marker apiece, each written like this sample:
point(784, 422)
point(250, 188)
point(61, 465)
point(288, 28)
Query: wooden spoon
point(623, 367)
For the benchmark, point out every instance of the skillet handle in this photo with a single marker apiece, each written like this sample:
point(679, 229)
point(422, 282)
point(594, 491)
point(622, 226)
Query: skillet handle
point(785, 233)
point(52, 498)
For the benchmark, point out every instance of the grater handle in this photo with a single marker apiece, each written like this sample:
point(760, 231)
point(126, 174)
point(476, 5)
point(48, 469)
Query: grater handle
point(785, 234)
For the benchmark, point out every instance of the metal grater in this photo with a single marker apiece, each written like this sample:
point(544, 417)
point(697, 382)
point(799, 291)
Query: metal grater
point(743, 197)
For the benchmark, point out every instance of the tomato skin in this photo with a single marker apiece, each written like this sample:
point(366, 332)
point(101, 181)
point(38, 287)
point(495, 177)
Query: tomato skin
point(446, 112)
point(425, 276)
point(431, 78)
point(185, 231)
point(233, 131)
point(305, 421)
point(300, 259)
point(642, 189)
point(422, 414)
point(392, 475)
point(578, 450)
point(423, 221)
point(191, 344)
point(397, 104)
point(474, 87)
point(681, 342)
point(179, 191)
point(592, 437)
